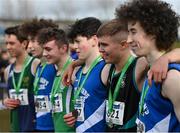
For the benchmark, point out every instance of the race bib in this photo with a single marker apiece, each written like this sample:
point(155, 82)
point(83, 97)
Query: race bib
point(58, 105)
point(140, 126)
point(42, 103)
point(22, 96)
point(117, 114)
point(79, 106)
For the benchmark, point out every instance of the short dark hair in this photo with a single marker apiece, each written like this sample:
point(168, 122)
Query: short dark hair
point(86, 27)
point(31, 28)
point(156, 18)
point(49, 34)
point(14, 30)
point(115, 28)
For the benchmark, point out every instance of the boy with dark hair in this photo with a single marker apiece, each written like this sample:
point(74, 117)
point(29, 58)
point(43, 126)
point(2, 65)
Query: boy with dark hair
point(55, 45)
point(90, 78)
point(44, 76)
point(20, 77)
point(153, 28)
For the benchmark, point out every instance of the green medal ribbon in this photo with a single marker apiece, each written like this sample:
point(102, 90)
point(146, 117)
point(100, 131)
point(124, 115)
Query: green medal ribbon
point(144, 93)
point(37, 78)
point(93, 64)
point(111, 98)
point(58, 79)
point(25, 64)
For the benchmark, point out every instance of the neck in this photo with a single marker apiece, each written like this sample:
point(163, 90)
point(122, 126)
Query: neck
point(153, 56)
point(122, 61)
point(91, 58)
point(62, 61)
point(43, 60)
point(40, 56)
point(20, 59)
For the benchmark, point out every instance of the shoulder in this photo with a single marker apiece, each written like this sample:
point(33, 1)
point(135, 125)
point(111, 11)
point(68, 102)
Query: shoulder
point(6, 72)
point(140, 71)
point(105, 73)
point(74, 73)
point(173, 76)
point(171, 90)
point(171, 85)
point(106, 68)
point(100, 65)
point(141, 63)
point(7, 69)
point(35, 63)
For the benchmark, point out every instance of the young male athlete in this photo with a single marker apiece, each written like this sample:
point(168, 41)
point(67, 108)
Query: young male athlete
point(20, 78)
point(45, 74)
point(126, 77)
point(153, 28)
point(55, 45)
point(89, 84)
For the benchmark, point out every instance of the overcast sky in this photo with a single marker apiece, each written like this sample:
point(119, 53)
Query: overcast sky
point(64, 9)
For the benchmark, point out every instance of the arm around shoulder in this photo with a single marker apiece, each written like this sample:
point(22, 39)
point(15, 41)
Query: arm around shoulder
point(159, 69)
point(173, 55)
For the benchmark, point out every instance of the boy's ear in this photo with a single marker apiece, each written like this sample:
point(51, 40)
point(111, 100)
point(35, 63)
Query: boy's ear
point(65, 47)
point(124, 45)
point(95, 40)
point(25, 43)
point(153, 37)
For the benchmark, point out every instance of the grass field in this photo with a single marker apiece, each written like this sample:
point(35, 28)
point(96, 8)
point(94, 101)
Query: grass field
point(4, 121)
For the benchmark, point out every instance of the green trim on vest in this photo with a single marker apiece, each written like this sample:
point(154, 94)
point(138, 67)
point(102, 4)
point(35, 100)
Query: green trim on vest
point(131, 123)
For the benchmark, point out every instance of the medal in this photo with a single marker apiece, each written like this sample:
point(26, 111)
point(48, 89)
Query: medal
point(110, 123)
point(36, 103)
point(140, 126)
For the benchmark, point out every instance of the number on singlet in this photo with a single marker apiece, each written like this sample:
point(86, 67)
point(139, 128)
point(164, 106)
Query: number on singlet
point(79, 112)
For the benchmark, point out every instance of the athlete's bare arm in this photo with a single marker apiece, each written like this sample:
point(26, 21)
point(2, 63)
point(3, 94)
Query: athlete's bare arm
point(140, 72)
point(158, 71)
point(8, 102)
point(105, 74)
point(171, 90)
point(67, 76)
